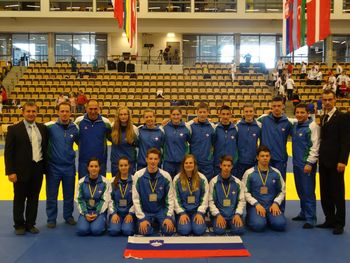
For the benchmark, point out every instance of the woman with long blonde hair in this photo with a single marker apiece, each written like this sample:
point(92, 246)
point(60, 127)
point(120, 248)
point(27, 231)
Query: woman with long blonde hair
point(124, 139)
point(191, 198)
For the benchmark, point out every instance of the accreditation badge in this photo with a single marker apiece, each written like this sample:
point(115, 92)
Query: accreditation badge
point(123, 202)
point(91, 202)
point(227, 202)
point(152, 197)
point(191, 199)
point(264, 190)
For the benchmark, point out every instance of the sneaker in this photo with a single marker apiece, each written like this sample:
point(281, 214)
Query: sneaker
point(71, 221)
point(33, 230)
point(51, 225)
point(20, 231)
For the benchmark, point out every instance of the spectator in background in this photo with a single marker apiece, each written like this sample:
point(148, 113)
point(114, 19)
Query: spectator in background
point(166, 55)
point(343, 81)
point(311, 76)
point(73, 102)
point(280, 66)
point(319, 106)
point(94, 63)
point(247, 58)
point(303, 71)
point(290, 68)
point(61, 98)
point(295, 98)
point(81, 101)
point(274, 77)
point(233, 70)
point(338, 70)
point(176, 57)
point(290, 86)
point(3, 95)
point(319, 78)
point(279, 86)
point(73, 62)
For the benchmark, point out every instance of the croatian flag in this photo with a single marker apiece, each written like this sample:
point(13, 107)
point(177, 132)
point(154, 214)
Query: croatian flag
point(185, 247)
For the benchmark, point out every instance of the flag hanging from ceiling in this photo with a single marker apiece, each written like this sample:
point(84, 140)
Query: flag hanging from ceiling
point(318, 20)
point(185, 247)
point(118, 7)
point(126, 15)
point(293, 25)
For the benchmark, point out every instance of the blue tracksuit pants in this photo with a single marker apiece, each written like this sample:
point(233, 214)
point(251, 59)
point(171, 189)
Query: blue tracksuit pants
point(191, 226)
point(258, 223)
point(95, 228)
point(126, 229)
point(231, 228)
point(155, 217)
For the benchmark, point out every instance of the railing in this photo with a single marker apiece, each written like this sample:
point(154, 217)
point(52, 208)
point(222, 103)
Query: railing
point(17, 5)
point(83, 6)
point(215, 6)
point(264, 6)
point(169, 6)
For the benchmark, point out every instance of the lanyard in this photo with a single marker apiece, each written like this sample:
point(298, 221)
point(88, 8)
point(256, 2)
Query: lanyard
point(226, 193)
point(92, 193)
point(121, 189)
point(189, 187)
point(262, 180)
point(153, 188)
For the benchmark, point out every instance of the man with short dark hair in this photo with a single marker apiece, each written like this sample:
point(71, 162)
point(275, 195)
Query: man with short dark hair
point(93, 133)
point(153, 196)
point(265, 192)
point(61, 165)
point(334, 154)
point(25, 148)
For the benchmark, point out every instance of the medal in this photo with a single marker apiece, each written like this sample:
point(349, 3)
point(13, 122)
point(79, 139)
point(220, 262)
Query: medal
point(152, 197)
point(227, 202)
point(123, 202)
point(91, 202)
point(264, 190)
point(92, 193)
point(191, 199)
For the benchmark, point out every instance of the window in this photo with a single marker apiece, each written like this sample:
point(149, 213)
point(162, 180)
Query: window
point(20, 5)
point(72, 5)
point(169, 5)
point(264, 6)
point(346, 6)
point(341, 48)
point(106, 5)
point(84, 47)
point(215, 6)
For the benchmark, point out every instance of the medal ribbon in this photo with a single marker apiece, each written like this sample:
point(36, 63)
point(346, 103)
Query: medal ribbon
point(189, 187)
point(155, 185)
point(226, 193)
point(262, 180)
point(92, 193)
point(121, 190)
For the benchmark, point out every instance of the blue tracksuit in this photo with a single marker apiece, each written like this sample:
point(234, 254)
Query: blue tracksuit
point(93, 142)
point(247, 142)
point(201, 146)
point(124, 149)
point(225, 143)
point(101, 197)
point(61, 167)
point(274, 135)
point(218, 202)
point(305, 144)
point(191, 204)
point(148, 138)
point(153, 205)
point(275, 193)
point(175, 146)
point(121, 204)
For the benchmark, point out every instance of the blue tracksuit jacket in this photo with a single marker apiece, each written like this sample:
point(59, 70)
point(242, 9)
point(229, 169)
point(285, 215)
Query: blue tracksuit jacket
point(274, 183)
point(217, 196)
point(176, 142)
point(247, 141)
point(148, 138)
point(141, 190)
point(274, 135)
point(202, 140)
point(116, 195)
point(225, 142)
point(201, 197)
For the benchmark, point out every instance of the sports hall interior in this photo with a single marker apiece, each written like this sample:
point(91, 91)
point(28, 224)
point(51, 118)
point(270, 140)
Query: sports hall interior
point(39, 37)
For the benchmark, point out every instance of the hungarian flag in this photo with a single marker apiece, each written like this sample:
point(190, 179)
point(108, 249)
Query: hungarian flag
point(185, 247)
point(318, 20)
point(118, 7)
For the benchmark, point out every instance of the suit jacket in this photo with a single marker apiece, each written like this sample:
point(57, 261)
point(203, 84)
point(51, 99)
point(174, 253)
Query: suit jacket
point(335, 140)
point(18, 150)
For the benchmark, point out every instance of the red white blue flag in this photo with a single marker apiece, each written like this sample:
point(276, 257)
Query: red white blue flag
point(185, 247)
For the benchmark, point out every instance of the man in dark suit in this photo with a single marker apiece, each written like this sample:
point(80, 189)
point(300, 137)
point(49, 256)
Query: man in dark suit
point(25, 149)
point(333, 158)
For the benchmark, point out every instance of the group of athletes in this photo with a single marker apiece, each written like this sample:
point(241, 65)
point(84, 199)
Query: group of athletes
point(156, 182)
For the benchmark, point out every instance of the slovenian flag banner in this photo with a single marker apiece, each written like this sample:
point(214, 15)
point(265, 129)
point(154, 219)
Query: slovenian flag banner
point(185, 247)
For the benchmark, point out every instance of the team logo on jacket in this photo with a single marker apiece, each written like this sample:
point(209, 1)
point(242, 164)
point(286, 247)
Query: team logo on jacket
point(233, 192)
point(86, 127)
point(300, 134)
point(254, 135)
point(273, 181)
point(99, 191)
point(207, 134)
point(156, 138)
point(71, 135)
point(181, 134)
point(283, 129)
point(232, 137)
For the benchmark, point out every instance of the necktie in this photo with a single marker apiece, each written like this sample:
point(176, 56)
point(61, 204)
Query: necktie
point(325, 119)
point(35, 144)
